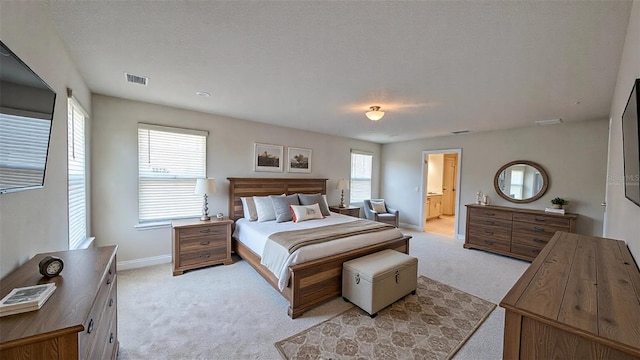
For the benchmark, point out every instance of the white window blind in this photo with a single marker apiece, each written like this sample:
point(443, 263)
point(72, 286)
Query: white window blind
point(77, 181)
point(23, 150)
point(169, 162)
point(361, 169)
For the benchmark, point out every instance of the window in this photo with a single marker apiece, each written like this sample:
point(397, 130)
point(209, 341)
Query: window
point(169, 162)
point(77, 183)
point(361, 168)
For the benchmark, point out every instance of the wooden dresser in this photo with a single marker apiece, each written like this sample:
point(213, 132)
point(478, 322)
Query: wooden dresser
point(198, 243)
point(78, 321)
point(519, 233)
point(347, 210)
point(579, 299)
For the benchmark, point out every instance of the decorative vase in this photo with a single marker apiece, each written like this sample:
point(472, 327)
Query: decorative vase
point(557, 206)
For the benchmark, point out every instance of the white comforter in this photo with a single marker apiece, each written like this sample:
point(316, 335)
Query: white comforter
point(254, 236)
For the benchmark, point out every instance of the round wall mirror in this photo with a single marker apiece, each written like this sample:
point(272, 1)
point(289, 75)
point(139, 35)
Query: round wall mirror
point(521, 181)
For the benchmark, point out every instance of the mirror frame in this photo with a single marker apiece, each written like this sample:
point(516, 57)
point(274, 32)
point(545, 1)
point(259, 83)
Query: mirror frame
point(543, 190)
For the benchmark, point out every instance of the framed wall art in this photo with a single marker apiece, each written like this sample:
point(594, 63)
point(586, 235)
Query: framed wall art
point(267, 157)
point(298, 160)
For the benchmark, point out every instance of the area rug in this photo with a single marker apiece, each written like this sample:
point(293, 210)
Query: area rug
point(433, 324)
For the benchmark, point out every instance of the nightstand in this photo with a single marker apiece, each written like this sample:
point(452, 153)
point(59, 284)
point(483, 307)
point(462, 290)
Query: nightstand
point(347, 210)
point(196, 243)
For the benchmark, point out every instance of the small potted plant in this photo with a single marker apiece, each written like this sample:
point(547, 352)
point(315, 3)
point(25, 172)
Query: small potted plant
point(559, 202)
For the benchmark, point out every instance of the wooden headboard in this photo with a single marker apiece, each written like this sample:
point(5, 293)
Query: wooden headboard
point(243, 187)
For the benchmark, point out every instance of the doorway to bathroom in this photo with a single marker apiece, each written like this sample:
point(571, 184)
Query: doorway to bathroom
point(441, 179)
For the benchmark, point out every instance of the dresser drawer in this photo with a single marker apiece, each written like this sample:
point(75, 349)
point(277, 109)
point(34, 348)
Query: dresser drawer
point(490, 213)
point(94, 322)
point(545, 231)
point(495, 222)
point(525, 250)
point(490, 232)
point(564, 223)
point(200, 231)
point(489, 242)
point(104, 322)
point(533, 240)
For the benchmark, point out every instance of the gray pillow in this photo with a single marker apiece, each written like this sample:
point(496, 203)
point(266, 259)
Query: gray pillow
point(310, 199)
point(281, 206)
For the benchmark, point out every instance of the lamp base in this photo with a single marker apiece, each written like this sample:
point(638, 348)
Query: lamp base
point(205, 218)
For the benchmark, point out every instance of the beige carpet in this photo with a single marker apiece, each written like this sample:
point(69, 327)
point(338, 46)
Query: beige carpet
point(433, 324)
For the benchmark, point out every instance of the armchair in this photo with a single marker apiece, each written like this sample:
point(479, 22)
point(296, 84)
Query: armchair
point(390, 217)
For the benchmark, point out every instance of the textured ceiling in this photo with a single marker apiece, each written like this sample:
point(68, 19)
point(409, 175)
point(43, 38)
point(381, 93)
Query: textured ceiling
point(433, 66)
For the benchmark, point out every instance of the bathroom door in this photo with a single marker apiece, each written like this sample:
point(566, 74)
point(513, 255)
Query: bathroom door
point(450, 174)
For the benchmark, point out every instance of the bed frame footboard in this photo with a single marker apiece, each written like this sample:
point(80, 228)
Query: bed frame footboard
point(315, 282)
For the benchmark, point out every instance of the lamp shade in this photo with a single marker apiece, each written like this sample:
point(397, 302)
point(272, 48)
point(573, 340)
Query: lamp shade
point(342, 185)
point(205, 186)
point(374, 114)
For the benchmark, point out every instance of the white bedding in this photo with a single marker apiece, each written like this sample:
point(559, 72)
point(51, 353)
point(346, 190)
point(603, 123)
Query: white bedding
point(254, 236)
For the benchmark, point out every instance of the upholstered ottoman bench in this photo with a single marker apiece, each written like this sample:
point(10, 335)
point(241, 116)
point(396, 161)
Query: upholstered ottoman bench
point(376, 281)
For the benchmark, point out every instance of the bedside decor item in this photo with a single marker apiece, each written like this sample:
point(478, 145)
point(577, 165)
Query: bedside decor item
point(196, 244)
point(51, 266)
point(559, 202)
point(267, 157)
point(24, 299)
point(205, 187)
point(342, 185)
point(298, 160)
point(374, 113)
point(219, 216)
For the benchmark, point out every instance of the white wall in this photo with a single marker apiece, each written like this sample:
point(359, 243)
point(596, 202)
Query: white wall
point(622, 216)
point(435, 169)
point(229, 154)
point(574, 155)
point(35, 221)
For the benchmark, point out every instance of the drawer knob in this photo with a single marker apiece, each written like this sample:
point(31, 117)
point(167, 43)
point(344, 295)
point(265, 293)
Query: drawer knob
point(540, 241)
point(489, 213)
point(111, 338)
point(204, 256)
point(489, 232)
point(108, 281)
point(205, 230)
point(537, 229)
point(540, 219)
point(205, 242)
point(397, 276)
point(111, 302)
point(488, 242)
point(490, 222)
point(90, 327)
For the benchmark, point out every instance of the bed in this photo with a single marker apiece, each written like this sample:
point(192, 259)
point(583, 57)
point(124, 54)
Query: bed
point(310, 282)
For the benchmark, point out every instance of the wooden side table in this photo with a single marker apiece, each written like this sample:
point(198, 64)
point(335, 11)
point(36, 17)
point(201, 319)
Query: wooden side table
point(198, 243)
point(347, 210)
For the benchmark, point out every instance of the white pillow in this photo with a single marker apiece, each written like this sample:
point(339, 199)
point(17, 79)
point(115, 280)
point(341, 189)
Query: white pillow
point(378, 206)
point(305, 212)
point(264, 208)
point(249, 208)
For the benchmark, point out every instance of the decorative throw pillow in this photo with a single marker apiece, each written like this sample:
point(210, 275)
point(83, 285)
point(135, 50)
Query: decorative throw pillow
point(281, 206)
point(378, 206)
point(305, 212)
point(264, 208)
point(249, 208)
point(310, 199)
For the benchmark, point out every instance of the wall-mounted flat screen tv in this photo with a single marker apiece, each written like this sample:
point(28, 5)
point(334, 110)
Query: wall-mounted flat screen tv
point(26, 115)
point(631, 145)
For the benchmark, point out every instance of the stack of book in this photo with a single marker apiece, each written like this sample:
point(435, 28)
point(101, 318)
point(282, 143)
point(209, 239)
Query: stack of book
point(555, 211)
point(25, 299)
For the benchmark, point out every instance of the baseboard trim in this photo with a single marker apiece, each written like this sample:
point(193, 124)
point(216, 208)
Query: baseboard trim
point(144, 262)
point(409, 226)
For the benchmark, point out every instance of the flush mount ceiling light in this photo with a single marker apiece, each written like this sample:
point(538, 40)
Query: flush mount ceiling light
point(374, 114)
point(203, 93)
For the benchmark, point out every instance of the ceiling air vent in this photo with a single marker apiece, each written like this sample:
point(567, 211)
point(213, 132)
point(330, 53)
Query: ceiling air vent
point(136, 79)
point(460, 132)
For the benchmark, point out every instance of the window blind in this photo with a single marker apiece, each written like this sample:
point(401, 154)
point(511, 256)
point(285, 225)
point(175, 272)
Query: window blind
point(361, 169)
point(77, 183)
point(169, 162)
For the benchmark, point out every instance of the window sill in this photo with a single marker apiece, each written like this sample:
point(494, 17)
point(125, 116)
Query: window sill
point(87, 243)
point(153, 225)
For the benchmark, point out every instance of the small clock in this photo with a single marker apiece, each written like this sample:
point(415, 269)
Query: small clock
point(51, 266)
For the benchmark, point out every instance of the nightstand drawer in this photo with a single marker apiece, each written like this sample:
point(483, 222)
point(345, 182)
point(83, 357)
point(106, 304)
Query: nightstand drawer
point(199, 231)
point(203, 256)
point(203, 243)
point(489, 213)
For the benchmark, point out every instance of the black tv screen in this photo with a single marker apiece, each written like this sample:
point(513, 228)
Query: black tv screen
point(26, 114)
point(631, 145)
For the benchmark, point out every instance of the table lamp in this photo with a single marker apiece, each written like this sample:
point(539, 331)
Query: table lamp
point(204, 187)
point(342, 186)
